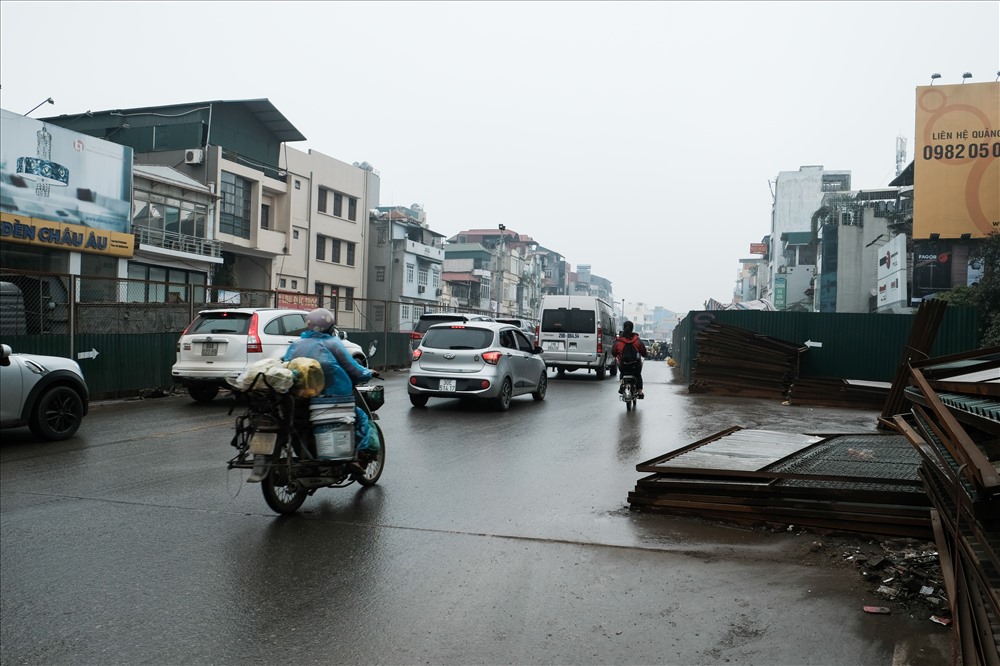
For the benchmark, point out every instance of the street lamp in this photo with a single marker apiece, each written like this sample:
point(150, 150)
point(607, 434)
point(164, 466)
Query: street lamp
point(44, 101)
point(501, 244)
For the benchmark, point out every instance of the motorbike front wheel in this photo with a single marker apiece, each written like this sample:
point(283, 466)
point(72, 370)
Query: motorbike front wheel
point(374, 468)
point(281, 493)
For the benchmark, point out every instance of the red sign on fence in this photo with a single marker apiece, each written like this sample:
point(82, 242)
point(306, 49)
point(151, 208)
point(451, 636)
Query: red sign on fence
point(297, 301)
point(758, 248)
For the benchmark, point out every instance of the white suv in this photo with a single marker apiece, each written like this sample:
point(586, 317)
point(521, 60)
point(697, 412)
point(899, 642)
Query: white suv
point(221, 344)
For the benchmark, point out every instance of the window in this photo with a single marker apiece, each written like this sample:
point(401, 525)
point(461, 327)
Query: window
point(338, 204)
point(321, 201)
point(265, 216)
point(383, 235)
point(409, 273)
point(295, 234)
point(380, 273)
point(320, 248)
point(335, 250)
point(295, 284)
point(352, 209)
point(281, 283)
point(348, 298)
point(350, 254)
point(155, 212)
point(298, 184)
point(404, 313)
point(422, 277)
point(155, 284)
point(234, 217)
point(436, 278)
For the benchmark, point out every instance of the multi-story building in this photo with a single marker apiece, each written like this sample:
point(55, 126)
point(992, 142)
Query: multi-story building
point(405, 269)
point(468, 274)
point(798, 196)
point(517, 269)
point(283, 220)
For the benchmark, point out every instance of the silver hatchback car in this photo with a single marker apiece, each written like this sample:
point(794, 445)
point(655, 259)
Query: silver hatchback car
point(476, 359)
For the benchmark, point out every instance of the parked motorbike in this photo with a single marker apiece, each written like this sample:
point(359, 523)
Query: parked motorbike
point(627, 390)
point(274, 438)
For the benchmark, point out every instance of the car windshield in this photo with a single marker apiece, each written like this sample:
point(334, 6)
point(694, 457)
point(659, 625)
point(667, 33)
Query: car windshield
point(458, 338)
point(232, 323)
point(426, 322)
point(568, 321)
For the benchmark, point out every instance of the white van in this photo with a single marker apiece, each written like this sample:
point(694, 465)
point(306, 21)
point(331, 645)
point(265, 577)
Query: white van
point(577, 332)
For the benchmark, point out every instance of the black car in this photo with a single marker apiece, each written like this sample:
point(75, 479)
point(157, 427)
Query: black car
point(428, 319)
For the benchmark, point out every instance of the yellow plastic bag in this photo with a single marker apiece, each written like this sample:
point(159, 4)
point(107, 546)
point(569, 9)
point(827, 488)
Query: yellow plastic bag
point(309, 380)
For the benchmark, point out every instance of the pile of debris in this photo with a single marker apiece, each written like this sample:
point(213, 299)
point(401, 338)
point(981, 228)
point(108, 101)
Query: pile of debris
point(908, 574)
point(734, 361)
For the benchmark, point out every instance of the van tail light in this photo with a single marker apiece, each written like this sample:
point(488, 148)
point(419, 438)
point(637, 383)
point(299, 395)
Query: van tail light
point(416, 354)
point(253, 339)
point(600, 340)
point(492, 357)
point(538, 335)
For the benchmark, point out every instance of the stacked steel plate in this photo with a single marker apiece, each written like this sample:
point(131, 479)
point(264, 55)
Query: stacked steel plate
point(954, 424)
point(735, 361)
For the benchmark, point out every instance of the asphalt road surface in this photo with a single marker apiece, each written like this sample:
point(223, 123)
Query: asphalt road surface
point(492, 538)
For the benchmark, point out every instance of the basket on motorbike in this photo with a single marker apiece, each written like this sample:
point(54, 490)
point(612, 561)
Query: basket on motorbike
point(374, 397)
point(333, 429)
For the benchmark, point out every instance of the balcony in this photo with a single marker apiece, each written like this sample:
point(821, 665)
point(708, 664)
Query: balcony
point(171, 240)
point(427, 252)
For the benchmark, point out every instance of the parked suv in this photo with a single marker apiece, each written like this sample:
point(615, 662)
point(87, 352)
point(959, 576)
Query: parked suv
point(46, 393)
point(428, 319)
point(221, 344)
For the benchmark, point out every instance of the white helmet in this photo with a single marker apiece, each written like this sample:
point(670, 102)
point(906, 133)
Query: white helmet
point(321, 320)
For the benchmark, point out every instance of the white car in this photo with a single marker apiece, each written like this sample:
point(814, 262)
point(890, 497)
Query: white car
point(46, 393)
point(221, 344)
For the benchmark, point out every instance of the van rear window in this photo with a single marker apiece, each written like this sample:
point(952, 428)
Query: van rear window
point(568, 321)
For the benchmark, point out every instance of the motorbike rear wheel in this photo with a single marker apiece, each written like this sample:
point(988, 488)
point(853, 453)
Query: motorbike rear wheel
point(374, 468)
point(281, 493)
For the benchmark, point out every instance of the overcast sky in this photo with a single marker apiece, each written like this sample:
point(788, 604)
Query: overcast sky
point(635, 137)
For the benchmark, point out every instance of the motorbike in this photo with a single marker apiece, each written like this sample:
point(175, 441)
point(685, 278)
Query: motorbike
point(627, 390)
point(275, 440)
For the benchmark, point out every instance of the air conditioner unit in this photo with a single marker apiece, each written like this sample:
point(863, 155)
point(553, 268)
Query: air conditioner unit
point(194, 156)
point(421, 289)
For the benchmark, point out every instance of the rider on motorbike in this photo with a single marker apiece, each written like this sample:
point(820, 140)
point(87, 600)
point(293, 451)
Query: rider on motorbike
point(625, 366)
point(340, 371)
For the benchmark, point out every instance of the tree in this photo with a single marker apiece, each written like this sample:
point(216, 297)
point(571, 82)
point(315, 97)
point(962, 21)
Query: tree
point(985, 294)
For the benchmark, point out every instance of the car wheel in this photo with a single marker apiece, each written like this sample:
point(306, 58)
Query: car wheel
point(57, 414)
point(418, 400)
point(601, 371)
point(543, 383)
point(203, 392)
point(506, 392)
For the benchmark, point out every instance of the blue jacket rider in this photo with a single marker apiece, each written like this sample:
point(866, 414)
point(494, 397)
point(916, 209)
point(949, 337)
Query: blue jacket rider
point(340, 371)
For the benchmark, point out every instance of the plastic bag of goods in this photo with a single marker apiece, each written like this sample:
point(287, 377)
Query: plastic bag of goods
point(309, 379)
point(264, 374)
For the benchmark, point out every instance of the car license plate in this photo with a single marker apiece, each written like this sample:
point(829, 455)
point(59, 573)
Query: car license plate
point(447, 385)
point(209, 348)
point(554, 344)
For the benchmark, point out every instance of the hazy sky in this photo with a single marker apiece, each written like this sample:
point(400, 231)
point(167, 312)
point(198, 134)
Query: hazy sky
point(635, 137)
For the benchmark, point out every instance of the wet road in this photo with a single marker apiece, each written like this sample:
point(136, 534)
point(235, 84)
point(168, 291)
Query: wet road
point(491, 538)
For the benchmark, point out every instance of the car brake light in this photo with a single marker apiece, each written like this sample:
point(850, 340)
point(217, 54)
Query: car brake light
point(600, 340)
point(253, 340)
point(415, 335)
point(538, 335)
point(492, 357)
point(416, 354)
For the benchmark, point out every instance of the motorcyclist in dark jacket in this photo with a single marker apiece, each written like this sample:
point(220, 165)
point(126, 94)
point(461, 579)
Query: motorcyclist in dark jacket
point(634, 368)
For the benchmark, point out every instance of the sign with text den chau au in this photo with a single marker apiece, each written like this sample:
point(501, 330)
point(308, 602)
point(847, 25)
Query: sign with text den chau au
point(69, 237)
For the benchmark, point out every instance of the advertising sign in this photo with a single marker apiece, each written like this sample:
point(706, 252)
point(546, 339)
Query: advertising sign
point(956, 171)
point(780, 292)
point(53, 176)
point(758, 248)
point(892, 274)
point(932, 262)
point(70, 237)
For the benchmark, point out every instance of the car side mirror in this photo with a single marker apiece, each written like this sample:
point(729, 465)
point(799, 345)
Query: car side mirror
point(537, 350)
point(372, 348)
point(342, 335)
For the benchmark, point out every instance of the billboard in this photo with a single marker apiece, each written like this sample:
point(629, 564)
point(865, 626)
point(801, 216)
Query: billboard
point(892, 274)
point(932, 263)
point(956, 171)
point(64, 189)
